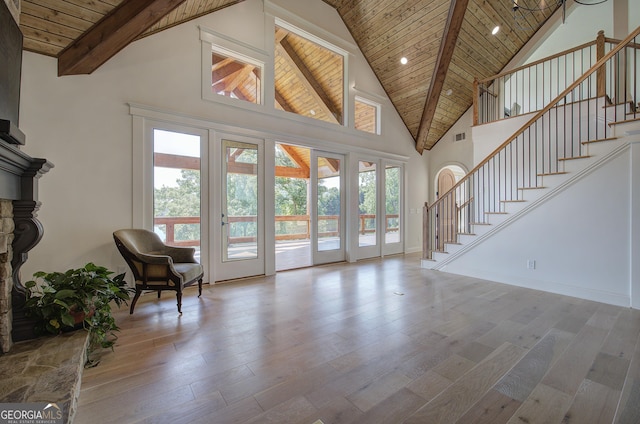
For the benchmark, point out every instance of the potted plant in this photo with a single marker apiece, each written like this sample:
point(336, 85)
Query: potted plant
point(77, 298)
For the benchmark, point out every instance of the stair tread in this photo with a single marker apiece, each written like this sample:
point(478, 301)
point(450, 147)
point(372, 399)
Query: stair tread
point(552, 173)
point(624, 122)
point(600, 140)
point(575, 157)
point(531, 188)
point(513, 201)
point(480, 223)
point(497, 213)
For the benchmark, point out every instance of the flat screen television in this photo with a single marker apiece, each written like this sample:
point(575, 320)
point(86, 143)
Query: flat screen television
point(10, 66)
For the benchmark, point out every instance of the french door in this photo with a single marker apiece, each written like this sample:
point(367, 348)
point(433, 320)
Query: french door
point(380, 214)
point(238, 212)
point(327, 207)
point(392, 226)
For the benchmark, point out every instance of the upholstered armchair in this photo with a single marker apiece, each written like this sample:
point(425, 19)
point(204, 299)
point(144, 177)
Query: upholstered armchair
point(156, 266)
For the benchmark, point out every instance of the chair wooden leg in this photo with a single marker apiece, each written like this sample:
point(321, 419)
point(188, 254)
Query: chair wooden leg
point(135, 299)
point(179, 296)
point(159, 294)
point(200, 287)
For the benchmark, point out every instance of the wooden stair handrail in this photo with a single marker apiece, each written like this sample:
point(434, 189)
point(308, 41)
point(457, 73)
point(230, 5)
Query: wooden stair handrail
point(537, 62)
point(602, 61)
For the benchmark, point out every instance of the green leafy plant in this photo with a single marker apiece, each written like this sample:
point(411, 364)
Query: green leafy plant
point(77, 298)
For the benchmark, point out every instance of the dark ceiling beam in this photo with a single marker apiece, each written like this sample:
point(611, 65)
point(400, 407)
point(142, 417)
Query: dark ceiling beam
point(111, 34)
point(165, 160)
point(447, 46)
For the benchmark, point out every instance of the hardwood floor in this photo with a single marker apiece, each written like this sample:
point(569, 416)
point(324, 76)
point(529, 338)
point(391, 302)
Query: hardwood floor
point(380, 341)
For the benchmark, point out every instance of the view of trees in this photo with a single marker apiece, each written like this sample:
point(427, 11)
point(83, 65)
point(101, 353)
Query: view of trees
point(183, 200)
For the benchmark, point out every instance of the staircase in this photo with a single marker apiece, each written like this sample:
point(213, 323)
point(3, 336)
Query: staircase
point(583, 129)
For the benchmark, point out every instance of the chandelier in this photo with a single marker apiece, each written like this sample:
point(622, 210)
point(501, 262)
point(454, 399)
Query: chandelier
point(520, 7)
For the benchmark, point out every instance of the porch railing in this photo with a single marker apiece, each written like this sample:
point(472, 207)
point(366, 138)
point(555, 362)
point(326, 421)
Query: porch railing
point(559, 132)
point(331, 227)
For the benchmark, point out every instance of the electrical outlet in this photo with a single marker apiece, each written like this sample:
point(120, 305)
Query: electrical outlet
point(531, 264)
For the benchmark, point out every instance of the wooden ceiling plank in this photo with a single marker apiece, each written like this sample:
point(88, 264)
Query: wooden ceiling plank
point(99, 7)
point(77, 11)
point(171, 20)
point(447, 47)
point(111, 34)
point(410, 40)
point(36, 45)
point(51, 15)
point(52, 28)
point(390, 17)
point(477, 17)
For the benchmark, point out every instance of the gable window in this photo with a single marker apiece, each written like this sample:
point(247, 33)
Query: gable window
point(231, 69)
point(309, 75)
point(367, 115)
point(235, 77)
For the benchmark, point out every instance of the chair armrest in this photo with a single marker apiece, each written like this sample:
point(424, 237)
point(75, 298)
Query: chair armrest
point(155, 259)
point(180, 254)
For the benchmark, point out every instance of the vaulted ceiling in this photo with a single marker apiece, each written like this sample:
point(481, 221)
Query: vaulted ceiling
point(447, 44)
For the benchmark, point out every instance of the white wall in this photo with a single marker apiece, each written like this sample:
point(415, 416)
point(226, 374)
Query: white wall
point(581, 25)
point(447, 151)
point(82, 124)
point(579, 240)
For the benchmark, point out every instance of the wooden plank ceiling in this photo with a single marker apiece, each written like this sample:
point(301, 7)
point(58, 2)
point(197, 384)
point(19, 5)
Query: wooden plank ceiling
point(446, 48)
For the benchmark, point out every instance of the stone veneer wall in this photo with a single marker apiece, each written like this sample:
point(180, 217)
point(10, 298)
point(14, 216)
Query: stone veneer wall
point(6, 281)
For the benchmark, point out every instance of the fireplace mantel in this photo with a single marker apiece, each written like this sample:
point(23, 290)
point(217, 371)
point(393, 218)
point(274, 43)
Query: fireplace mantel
point(19, 175)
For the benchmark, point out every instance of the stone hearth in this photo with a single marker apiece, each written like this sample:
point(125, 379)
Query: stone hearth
point(46, 369)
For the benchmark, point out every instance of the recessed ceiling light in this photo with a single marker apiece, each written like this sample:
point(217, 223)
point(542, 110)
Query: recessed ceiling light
point(449, 92)
point(313, 112)
point(404, 60)
point(495, 30)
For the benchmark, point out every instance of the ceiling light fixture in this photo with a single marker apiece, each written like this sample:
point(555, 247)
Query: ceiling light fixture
point(495, 30)
point(404, 60)
point(519, 8)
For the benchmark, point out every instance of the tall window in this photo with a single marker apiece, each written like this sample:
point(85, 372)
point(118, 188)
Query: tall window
point(309, 76)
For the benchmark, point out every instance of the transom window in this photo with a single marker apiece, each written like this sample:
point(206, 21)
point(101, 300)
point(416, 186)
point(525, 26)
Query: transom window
point(367, 115)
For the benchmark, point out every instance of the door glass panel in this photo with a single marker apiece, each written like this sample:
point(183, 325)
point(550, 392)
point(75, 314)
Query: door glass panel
point(367, 195)
point(240, 201)
point(176, 183)
point(392, 204)
point(329, 204)
point(293, 232)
